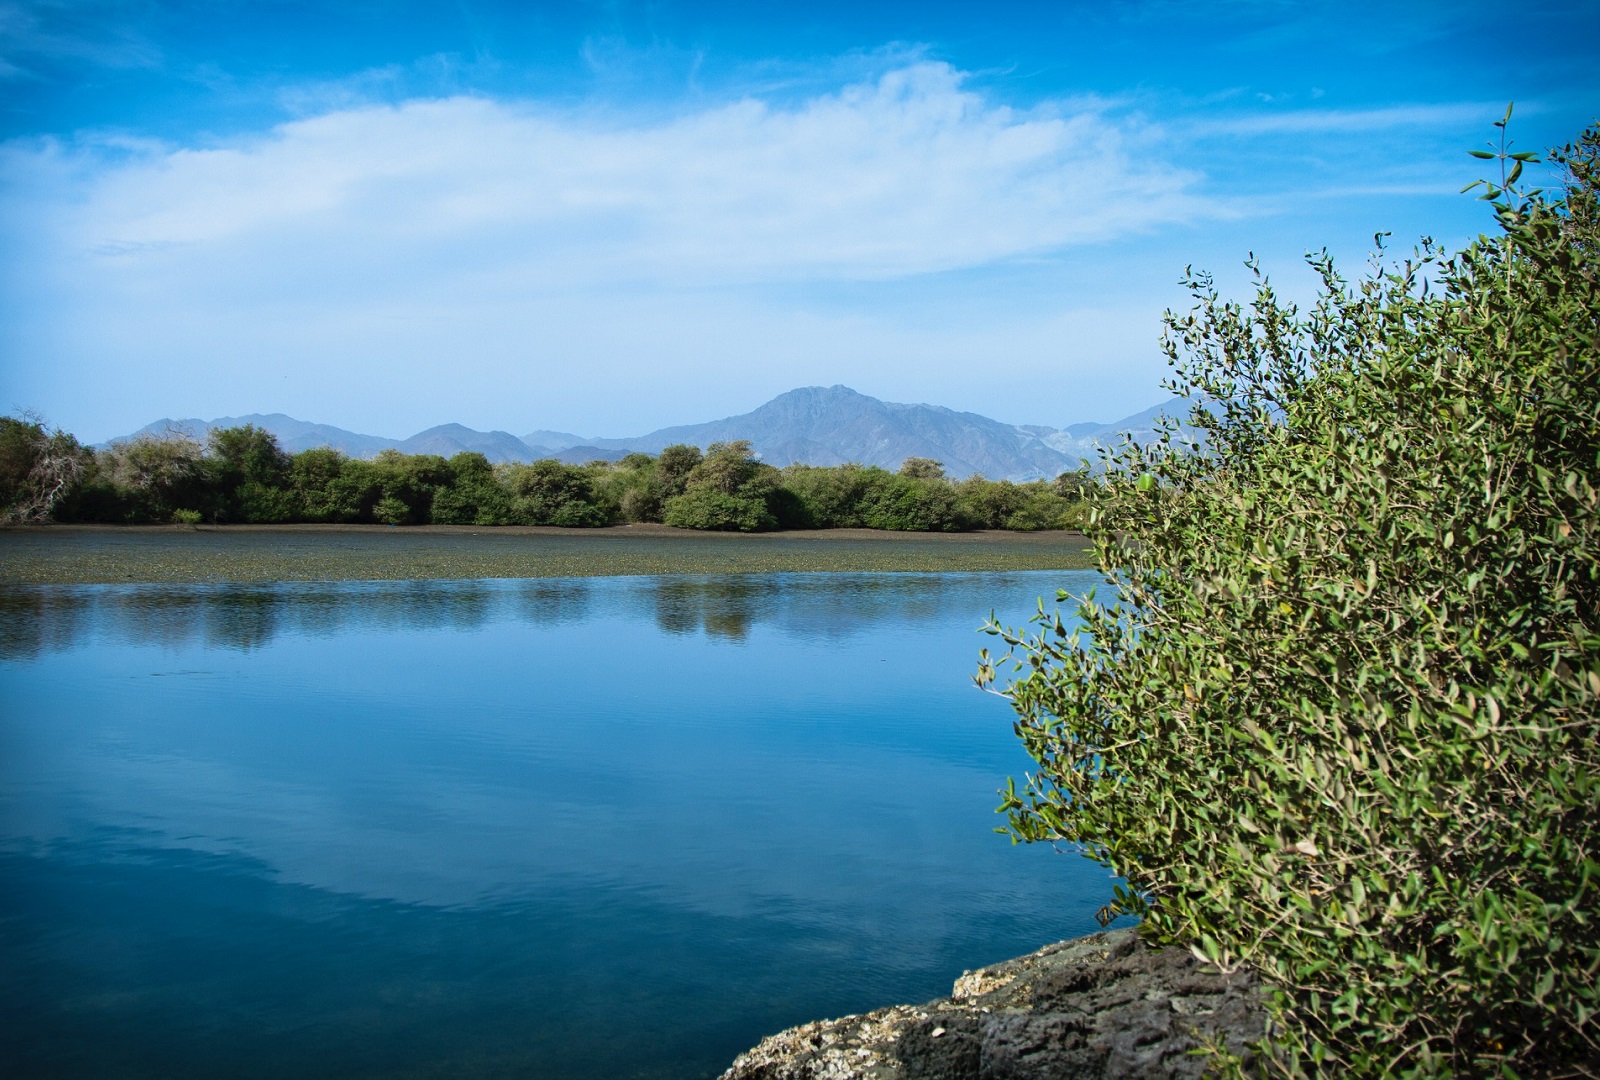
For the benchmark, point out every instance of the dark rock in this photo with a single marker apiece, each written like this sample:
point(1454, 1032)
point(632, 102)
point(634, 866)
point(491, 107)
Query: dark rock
point(1103, 1006)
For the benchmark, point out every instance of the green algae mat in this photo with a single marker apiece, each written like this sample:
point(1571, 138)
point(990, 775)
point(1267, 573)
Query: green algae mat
point(93, 554)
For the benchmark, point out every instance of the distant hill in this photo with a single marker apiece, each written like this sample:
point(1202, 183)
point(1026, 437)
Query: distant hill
point(1086, 439)
point(555, 440)
point(448, 440)
point(815, 425)
point(293, 435)
point(831, 425)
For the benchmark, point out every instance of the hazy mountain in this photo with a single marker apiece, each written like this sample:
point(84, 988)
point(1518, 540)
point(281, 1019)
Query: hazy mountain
point(555, 440)
point(1075, 431)
point(1085, 439)
point(587, 452)
point(293, 435)
point(815, 425)
point(448, 440)
point(831, 425)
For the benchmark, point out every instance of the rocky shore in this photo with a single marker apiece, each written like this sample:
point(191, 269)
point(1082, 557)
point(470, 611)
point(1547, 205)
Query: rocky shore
point(1100, 1006)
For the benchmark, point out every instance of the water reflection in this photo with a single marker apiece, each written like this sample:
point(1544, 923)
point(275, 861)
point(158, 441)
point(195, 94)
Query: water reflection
point(553, 601)
point(547, 829)
point(722, 608)
point(35, 620)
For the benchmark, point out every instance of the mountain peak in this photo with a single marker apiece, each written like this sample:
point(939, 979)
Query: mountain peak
point(814, 425)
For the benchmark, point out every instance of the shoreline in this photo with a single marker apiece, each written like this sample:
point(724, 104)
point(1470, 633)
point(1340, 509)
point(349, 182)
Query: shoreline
point(1103, 1005)
point(199, 554)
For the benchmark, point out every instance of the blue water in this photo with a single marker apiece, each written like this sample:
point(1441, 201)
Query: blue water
point(558, 828)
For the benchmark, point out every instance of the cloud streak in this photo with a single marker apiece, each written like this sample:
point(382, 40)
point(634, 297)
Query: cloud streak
point(1348, 121)
point(34, 34)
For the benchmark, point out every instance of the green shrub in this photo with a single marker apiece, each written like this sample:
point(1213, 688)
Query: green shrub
point(412, 479)
point(152, 476)
point(314, 478)
point(548, 492)
point(391, 510)
point(636, 504)
point(627, 489)
point(1340, 723)
point(832, 498)
point(247, 476)
point(264, 504)
point(672, 468)
point(471, 495)
point(472, 502)
point(1043, 508)
point(727, 489)
point(708, 508)
point(915, 504)
point(354, 492)
point(988, 504)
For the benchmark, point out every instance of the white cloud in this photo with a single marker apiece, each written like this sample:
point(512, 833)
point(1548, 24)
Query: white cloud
point(907, 175)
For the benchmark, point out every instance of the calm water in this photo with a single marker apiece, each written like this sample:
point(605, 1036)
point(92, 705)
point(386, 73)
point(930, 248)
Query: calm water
point(558, 828)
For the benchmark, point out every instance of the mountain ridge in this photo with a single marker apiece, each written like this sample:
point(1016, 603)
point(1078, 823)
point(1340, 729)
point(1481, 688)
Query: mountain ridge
point(811, 425)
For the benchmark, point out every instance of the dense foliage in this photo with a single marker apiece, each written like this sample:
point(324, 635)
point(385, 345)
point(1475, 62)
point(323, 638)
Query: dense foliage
point(241, 475)
point(38, 469)
point(1339, 723)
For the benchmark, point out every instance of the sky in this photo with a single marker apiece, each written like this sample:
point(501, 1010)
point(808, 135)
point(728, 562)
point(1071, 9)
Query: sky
point(610, 217)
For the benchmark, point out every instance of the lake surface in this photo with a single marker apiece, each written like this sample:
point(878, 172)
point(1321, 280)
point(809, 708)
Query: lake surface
point(548, 828)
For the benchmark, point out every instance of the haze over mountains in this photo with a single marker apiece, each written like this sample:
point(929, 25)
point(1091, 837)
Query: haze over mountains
point(813, 425)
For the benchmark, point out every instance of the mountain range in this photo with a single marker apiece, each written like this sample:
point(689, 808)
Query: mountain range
point(814, 425)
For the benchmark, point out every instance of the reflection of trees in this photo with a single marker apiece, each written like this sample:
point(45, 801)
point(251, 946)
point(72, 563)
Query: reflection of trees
point(246, 619)
point(826, 606)
point(553, 601)
point(721, 607)
point(34, 620)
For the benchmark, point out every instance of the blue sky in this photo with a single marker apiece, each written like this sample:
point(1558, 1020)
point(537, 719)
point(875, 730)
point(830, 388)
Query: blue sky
point(610, 217)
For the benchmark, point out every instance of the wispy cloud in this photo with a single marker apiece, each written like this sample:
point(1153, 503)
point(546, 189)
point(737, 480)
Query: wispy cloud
point(906, 175)
point(1347, 121)
point(97, 33)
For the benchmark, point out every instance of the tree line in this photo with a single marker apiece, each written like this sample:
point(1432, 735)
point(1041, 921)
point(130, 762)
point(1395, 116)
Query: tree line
point(241, 475)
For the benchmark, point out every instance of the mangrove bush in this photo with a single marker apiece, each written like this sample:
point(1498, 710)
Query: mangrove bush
point(1337, 721)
